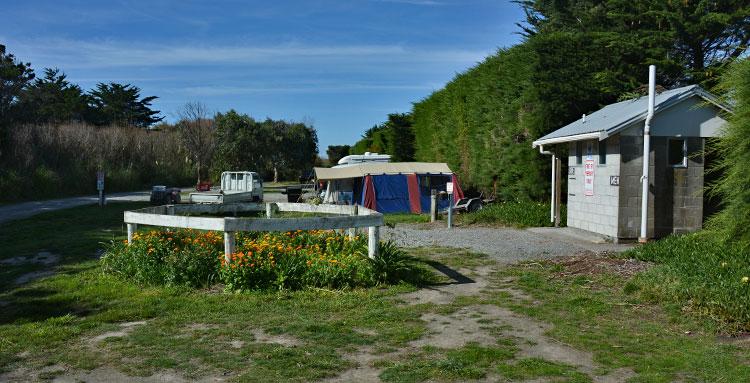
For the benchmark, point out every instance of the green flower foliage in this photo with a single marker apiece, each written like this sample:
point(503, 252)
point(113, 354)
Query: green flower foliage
point(279, 261)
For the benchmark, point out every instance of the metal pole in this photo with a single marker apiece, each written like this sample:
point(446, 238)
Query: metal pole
point(450, 210)
point(373, 238)
point(552, 201)
point(558, 190)
point(647, 153)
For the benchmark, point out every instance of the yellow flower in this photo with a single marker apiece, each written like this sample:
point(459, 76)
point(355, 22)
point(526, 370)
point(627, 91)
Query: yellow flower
point(745, 279)
point(723, 264)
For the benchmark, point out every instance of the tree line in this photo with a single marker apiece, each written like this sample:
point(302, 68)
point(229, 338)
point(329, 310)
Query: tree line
point(576, 56)
point(54, 137)
point(52, 99)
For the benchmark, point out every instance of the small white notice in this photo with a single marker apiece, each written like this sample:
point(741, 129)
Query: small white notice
point(588, 177)
point(449, 187)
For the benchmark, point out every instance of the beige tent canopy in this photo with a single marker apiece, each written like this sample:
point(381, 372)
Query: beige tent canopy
point(377, 168)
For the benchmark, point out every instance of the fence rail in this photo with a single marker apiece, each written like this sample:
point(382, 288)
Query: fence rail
point(178, 216)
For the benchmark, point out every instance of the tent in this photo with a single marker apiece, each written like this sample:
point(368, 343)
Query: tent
point(393, 187)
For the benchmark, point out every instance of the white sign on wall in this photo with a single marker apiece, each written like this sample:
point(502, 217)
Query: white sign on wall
point(449, 187)
point(588, 177)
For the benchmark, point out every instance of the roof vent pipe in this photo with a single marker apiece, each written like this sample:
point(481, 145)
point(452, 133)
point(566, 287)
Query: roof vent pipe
point(583, 119)
point(647, 153)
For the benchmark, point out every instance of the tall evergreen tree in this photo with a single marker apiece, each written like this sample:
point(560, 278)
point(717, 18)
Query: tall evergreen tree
point(14, 76)
point(52, 99)
point(120, 104)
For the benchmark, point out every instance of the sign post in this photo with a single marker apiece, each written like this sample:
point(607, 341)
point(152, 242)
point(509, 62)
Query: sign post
point(449, 189)
point(100, 186)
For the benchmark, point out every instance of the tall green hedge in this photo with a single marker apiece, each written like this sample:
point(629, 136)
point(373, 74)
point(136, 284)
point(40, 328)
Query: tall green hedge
point(734, 185)
point(484, 121)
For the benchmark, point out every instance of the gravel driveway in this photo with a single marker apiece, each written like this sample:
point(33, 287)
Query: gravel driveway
point(504, 244)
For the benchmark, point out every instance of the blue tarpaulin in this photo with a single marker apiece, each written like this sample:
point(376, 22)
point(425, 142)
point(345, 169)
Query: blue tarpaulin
point(392, 192)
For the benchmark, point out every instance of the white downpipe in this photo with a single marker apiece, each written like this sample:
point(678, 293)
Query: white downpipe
point(552, 200)
point(647, 152)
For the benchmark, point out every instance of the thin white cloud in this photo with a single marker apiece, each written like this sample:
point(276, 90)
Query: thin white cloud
point(414, 2)
point(107, 54)
point(284, 88)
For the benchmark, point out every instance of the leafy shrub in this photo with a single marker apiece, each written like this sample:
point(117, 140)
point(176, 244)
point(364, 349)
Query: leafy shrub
point(292, 260)
point(392, 264)
point(184, 257)
point(513, 213)
point(706, 276)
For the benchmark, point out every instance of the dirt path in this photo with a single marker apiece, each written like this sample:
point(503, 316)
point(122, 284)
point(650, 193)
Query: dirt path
point(479, 324)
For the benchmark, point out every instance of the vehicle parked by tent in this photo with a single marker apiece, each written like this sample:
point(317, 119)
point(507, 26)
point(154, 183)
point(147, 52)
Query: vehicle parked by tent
point(389, 187)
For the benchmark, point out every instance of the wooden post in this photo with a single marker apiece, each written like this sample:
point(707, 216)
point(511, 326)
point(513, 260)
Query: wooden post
point(228, 245)
point(132, 227)
point(373, 239)
point(433, 206)
point(353, 230)
point(558, 191)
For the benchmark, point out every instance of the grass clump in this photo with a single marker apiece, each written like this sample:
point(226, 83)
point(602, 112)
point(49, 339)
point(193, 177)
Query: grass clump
point(392, 219)
point(704, 275)
point(291, 260)
point(513, 213)
point(533, 368)
point(471, 361)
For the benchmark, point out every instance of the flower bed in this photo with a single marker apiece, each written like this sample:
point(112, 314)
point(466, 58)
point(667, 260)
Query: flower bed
point(290, 260)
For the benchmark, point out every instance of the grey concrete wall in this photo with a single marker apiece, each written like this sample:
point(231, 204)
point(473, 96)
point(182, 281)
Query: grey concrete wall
point(675, 194)
point(597, 213)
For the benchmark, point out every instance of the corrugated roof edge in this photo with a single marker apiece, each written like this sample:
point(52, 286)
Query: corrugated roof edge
point(690, 91)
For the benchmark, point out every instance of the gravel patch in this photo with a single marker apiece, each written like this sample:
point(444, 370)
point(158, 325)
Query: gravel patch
point(507, 245)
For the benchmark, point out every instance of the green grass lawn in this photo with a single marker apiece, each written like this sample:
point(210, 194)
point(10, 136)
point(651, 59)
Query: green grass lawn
point(512, 214)
point(198, 333)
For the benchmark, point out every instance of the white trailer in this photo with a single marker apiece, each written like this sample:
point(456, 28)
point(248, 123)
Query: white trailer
point(235, 187)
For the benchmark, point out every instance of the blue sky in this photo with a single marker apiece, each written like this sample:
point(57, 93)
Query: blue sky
point(340, 65)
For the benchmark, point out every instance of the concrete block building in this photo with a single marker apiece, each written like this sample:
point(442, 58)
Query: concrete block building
point(604, 155)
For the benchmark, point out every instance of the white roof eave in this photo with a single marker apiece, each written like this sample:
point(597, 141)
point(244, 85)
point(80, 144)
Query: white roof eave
point(576, 137)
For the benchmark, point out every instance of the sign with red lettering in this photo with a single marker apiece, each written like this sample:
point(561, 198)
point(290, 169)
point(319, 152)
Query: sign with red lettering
point(588, 177)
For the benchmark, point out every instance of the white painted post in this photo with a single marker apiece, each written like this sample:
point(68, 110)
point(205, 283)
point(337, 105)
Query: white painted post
point(269, 210)
point(353, 230)
point(554, 190)
point(373, 238)
point(132, 227)
point(228, 245)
